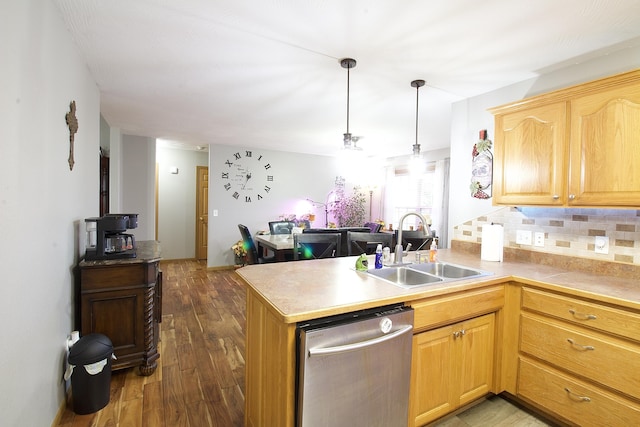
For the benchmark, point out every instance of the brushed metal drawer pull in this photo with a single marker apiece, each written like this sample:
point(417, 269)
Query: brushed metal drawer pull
point(582, 316)
point(583, 347)
point(576, 396)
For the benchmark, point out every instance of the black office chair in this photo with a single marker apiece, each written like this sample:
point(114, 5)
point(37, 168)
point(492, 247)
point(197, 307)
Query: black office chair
point(281, 227)
point(366, 243)
point(316, 245)
point(252, 253)
point(418, 239)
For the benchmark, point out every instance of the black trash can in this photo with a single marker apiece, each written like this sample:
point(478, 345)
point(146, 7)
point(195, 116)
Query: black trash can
point(90, 357)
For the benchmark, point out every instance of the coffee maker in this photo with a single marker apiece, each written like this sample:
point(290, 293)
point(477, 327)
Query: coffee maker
point(106, 237)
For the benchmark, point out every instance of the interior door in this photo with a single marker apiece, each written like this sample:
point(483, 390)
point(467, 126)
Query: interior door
point(202, 211)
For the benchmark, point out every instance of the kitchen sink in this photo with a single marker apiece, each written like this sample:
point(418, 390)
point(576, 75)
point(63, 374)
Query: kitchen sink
point(412, 275)
point(449, 271)
point(404, 276)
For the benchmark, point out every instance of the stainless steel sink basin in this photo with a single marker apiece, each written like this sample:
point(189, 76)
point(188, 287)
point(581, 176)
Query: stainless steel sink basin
point(449, 271)
point(412, 275)
point(404, 276)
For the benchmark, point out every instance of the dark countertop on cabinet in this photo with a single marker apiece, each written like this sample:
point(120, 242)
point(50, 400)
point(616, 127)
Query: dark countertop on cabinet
point(147, 251)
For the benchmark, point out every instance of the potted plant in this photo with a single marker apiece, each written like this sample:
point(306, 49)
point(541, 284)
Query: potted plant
point(349, 210)
point(239, 252)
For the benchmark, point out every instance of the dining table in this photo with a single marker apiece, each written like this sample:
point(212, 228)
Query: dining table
point(280, 244)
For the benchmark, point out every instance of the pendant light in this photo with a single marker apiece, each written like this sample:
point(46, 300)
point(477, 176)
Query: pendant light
point(417, 84)
point(349, 140)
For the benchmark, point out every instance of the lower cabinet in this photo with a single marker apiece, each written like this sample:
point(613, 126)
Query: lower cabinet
point(572, 399)
point(579, 360)
point(451, 366)
point(124, 302)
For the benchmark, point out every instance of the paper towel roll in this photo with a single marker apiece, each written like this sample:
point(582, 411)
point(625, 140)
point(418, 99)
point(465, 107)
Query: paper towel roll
point(492, 248)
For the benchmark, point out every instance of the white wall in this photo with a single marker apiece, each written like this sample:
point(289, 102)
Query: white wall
point(296, 178)
point(138, 183)
point(42, 203)
point(470, 116)
point(177, 201)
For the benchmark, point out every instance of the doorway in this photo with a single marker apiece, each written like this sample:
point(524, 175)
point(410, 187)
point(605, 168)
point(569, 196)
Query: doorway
point(202, 211)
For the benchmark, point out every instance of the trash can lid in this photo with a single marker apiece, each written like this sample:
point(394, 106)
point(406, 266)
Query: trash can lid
point(90, 349)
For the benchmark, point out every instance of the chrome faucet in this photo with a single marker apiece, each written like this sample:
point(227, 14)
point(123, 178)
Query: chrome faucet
point(399, 253)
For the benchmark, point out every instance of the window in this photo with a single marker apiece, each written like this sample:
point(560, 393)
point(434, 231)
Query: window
point(426, 193)
point(411, 193)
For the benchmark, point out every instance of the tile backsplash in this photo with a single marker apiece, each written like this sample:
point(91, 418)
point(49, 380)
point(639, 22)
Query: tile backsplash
point(567, 231)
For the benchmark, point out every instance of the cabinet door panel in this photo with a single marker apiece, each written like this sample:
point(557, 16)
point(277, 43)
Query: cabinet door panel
point(431, 374)
point(605, 148)
point(530, 152)
point(476, 358)
point(118, 315)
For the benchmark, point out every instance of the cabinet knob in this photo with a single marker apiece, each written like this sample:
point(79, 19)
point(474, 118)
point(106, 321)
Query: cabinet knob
point(556, 197)
point(572, 196)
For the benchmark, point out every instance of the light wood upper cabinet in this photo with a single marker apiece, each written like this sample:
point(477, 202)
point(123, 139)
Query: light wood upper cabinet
point(578, 146)
point(605, 147)
point(530, 156)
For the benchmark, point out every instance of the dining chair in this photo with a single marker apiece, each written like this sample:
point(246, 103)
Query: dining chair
point(366, 243)
point(316, 245)
point(418, 239)
point(281, 227)
point(374, 227)
point(253, 257)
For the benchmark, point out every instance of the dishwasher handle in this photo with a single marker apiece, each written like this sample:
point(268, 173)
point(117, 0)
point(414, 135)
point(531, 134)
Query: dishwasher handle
point(361, 344)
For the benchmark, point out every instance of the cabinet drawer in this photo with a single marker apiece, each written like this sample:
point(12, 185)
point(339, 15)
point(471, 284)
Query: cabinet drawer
point(592, 315)
point(439, 311)
point(573, 399)
point(118, 275)
point(607, 360)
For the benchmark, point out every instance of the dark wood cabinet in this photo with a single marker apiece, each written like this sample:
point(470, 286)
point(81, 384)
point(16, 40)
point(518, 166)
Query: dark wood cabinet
point(122, 299)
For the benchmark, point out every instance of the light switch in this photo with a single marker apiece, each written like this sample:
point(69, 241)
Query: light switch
point(215, 212)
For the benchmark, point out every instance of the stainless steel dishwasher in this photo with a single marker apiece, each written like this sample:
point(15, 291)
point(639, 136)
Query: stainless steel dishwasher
point(354, 369)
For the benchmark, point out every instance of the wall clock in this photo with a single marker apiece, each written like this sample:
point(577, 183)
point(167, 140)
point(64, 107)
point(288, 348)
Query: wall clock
point(247, 176)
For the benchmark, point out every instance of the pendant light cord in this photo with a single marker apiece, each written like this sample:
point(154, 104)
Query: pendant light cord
point(417, 89)
point(417, 84)
point(348, 70)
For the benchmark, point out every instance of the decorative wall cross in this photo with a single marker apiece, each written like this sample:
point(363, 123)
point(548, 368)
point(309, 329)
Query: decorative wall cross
point(72, 122)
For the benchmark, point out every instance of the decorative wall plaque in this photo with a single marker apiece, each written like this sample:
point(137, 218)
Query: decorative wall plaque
point(481, 168)
point(72, 122)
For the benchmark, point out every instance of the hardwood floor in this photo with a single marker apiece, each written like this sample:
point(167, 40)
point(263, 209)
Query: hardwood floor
point(200, 376)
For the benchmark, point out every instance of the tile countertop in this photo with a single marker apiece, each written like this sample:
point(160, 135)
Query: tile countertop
point(304, 290)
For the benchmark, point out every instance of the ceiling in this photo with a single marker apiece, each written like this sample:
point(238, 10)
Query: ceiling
point(267, 74)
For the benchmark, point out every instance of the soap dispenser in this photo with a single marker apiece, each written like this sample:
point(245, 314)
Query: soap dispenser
point(379, 256)
point(433, 251)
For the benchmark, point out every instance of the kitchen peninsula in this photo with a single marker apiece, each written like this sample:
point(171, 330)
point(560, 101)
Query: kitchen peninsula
point(503, 313)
